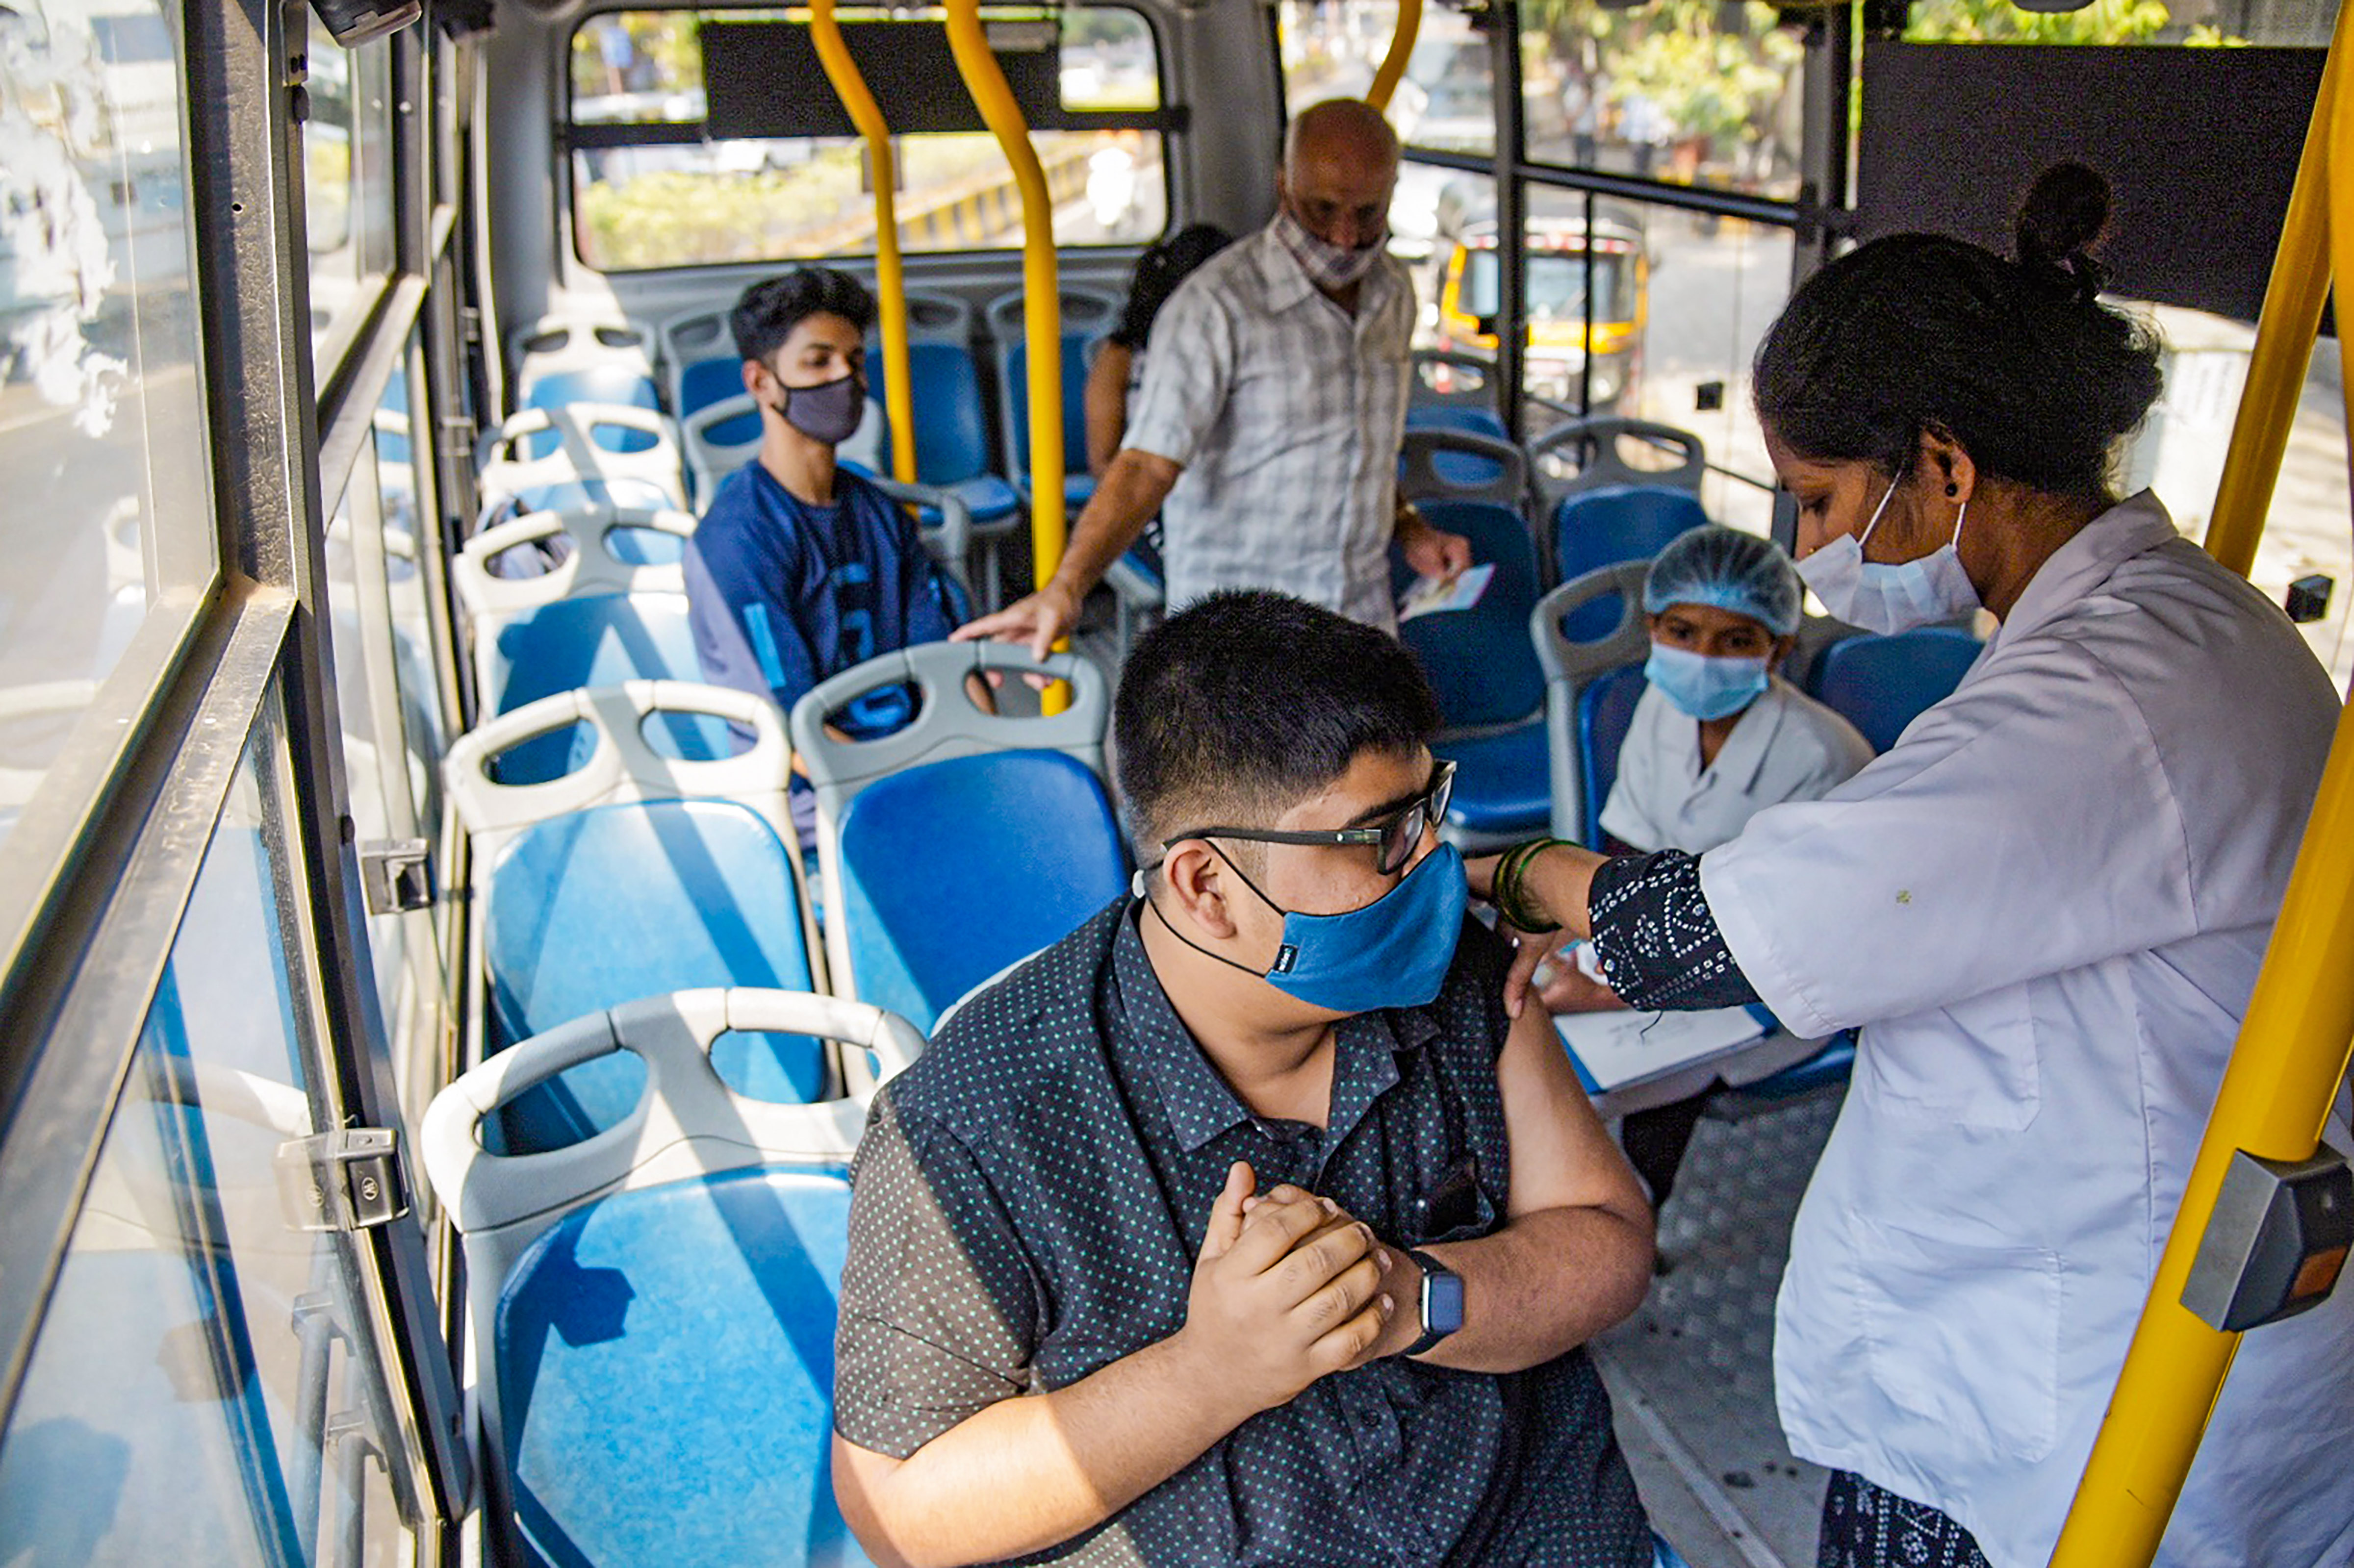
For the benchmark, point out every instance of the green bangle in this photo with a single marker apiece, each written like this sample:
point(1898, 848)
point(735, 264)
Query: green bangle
point(1509, 891)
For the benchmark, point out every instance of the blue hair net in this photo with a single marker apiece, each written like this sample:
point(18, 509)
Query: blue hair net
point(1731, 570)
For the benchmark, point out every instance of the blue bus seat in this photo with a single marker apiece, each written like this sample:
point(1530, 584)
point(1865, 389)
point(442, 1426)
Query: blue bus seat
point(1087, 315)
point(1881, 684)
point(950, 871)
point(1573, 662)
point(1461, 468)
point(617, 385)
point(916, 913)
point(654, 1308)
point(597, 640)
point(1453, 391)
point(1610, 510)
point(552, 459)
point(1605, 711)
point(1489, 685)
point(644, 867)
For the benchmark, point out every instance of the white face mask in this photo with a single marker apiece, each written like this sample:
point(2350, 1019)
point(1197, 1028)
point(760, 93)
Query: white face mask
point(1889, 598)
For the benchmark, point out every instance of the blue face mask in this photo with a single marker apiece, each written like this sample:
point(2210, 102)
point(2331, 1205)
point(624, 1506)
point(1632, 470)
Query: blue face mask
point(1703, 687)
point(1394, 952)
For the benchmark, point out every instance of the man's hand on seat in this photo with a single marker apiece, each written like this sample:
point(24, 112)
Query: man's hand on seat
point(1040, 619)
point(1282, 1295)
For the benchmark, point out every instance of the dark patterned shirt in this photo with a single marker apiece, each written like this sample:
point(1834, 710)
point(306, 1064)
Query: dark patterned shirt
point(1030, 1200)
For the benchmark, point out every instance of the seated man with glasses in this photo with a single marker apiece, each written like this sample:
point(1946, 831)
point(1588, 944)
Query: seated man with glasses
point(1243, 1224)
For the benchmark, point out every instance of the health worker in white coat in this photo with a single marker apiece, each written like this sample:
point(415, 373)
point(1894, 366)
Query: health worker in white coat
point(2044, 907)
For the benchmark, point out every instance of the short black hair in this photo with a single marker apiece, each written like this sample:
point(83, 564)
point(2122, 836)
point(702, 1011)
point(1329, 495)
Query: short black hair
point(1158, 273)
point(770, 310)
point(1236, 708)
point(2018, 360)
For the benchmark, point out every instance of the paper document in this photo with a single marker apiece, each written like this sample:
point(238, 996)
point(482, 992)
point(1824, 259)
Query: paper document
point(1430, 595)
point(1612, 1050)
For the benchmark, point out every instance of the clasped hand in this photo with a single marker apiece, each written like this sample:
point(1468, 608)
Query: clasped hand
point(1288, 1287)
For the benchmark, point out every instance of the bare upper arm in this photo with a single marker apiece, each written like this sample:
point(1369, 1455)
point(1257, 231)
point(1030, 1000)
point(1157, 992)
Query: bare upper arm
point(1562, 1156)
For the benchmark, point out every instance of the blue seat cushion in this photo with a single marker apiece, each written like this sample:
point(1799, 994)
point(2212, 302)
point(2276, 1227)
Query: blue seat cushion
point(991, 498)
point(708, 381)
point(953, 870)
point(1503, 782)
point(1480, 660)
point(599, 384)
point(664, 1362)
point(593, 908)
point(600, 641)
point(1606, 712)
point(1616, 522)
point(1881, 684)
point(1465, 469)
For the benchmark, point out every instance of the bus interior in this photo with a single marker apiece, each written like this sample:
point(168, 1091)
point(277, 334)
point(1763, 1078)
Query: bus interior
point(391, 923)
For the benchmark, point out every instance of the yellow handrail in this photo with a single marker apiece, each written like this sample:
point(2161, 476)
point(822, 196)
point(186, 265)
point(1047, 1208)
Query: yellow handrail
point(2293, 1043)
point(2290, 322)
point(1386, 80)
point(1041, 305)
point(890, 279)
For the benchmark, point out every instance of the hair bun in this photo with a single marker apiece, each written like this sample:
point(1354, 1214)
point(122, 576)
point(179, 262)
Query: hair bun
point(2059, 223)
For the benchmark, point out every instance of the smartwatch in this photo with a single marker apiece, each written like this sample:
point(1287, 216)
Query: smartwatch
point(1442, 1302)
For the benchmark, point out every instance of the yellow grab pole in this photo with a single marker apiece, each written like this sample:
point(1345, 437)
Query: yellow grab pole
point(1041, 305)
point(2284, 333)
point(1386, 80)
point(890, 279)
point(2284, 1070)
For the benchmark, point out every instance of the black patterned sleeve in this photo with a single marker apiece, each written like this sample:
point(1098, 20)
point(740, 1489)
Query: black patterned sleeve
point(1654, 938)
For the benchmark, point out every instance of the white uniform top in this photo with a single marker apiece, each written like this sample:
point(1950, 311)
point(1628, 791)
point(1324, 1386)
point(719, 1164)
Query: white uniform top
point(2047, 906)
point(1786, 747)
point(1286, 412)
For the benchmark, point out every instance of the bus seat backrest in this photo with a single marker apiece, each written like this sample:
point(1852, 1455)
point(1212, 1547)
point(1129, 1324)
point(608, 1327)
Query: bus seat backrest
point(946, 727)
point(1087, 315)
point(952, 870)
point(585, 451)
point(944, 385)
point(595, 556)
point(1442, 461)
point(1479, 660)
point(694, 338)
point(1606, 710)
point(611, 385)
point(666, 1286)
point(575, 339)
point(1595, 449)
point(1625, 523)
point(595, 641)
point(1444, 379)
point(706, 382)
point(1572, 655)
point(1881, 684)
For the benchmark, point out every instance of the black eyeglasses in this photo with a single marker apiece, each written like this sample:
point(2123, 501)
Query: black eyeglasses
point(1394, 840)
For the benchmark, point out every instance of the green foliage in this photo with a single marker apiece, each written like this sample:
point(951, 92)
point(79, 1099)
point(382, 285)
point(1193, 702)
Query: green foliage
point(2000, 22)
point(1710, 69)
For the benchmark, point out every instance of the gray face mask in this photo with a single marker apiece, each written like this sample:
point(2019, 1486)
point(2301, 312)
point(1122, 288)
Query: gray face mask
point(829, 411)
point(1326, 265)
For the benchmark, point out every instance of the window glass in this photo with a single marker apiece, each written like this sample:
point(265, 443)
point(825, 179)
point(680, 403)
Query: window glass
point(171, 1411)
point(101, 423)
point(391, 734)
point(702, 202)
point(1691, 92)
point(2192, 22)
point(2178, 452)
point(1681, 300)
point(347, 182)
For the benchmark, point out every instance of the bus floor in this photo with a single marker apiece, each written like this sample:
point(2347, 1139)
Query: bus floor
point(1691, 1372)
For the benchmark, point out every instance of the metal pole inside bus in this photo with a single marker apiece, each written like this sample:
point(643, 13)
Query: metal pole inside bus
point(2285, 337)
point(1386, 80)
point(890, 279)
point(1042, 303)
point(2294, 1043)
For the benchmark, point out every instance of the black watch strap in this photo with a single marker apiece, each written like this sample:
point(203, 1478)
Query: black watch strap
point(1440, 1308)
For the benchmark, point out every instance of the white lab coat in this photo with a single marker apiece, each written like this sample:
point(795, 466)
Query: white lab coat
point(2046, 907)
point(1786, 747)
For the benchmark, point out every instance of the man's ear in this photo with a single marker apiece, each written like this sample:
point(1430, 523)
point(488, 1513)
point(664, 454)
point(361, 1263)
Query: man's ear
point(758, 380)
point(1196, 880)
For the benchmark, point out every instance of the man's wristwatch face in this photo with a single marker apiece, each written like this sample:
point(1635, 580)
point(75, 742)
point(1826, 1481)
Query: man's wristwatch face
point(1442, 1302)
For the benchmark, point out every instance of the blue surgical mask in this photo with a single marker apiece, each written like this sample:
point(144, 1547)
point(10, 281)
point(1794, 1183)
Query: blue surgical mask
point(1393, 952)
point(1891, 597)
point(1702, 686)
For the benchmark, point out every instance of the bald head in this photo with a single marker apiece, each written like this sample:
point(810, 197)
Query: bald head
point(1340, 165)
point(1348, 129)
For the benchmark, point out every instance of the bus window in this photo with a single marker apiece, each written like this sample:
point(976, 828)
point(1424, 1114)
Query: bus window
point(1688, 91)
point(101, 419)
point(203, 1388)
point(347, 187)
point(649, 191)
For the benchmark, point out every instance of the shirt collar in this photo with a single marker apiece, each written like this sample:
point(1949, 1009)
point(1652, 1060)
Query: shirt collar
point(2134, 526)
point(1199, 1101)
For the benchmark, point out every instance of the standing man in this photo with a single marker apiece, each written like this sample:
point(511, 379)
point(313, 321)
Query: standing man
point(1265, 434)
